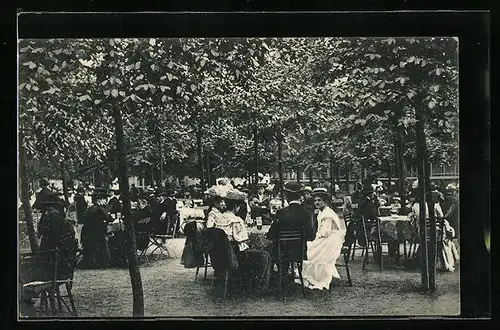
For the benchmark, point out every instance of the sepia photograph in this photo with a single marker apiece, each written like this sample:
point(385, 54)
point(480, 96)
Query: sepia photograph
point(238, 177)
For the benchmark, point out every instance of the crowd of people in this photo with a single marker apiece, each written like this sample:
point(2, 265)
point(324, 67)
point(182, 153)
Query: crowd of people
point(233, 210)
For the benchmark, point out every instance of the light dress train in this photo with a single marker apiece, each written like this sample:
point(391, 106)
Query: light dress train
point(322, 253)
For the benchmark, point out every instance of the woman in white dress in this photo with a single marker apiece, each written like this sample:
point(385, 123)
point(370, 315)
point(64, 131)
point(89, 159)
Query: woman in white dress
point(322, 253)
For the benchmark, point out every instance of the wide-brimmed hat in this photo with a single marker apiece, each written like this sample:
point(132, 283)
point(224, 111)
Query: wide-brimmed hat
point(236, 195)
point(262, 185)
point(307, 189)
point(217, 190)
point(321, 192)
point(292, 187)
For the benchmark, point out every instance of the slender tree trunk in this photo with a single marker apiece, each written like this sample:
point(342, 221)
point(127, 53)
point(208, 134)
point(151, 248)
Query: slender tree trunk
point(337, 174)
point(133, 263)
point(432, 249)
point(64, 176)
point(209, 174)
point(256, 156)
point(422, 192)
point(200, 158)
point(401, 169)
point(280, 165)
point(161, 160)
point(348, 178)
point(332, 176)
point(298, 175)
point(25, 198)
point(307, 140)
point(389, 177)
point(152, 175)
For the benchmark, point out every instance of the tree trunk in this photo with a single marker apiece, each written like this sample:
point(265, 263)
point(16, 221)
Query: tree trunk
point(25, 198)
point(256, 156)
point(422, 192)
point(152, 175)
point(401, 169)
point(389, 177)
point(432, 249)
point(348, 178)
point(133, 264)
point(337, 174)
point(161, 160)
point(200, 158)
point(280, 165)
point(64, 176)
point(209, 174)
point(298, 175)
point(332, 176)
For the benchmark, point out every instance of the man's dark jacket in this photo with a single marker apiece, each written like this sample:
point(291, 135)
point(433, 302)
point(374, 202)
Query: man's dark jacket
point(291, 218)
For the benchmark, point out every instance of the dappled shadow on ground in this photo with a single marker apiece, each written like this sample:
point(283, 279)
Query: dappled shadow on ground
point(171, 290)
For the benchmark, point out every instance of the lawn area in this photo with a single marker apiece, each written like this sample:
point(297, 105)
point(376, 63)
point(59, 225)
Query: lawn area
point(171, 291)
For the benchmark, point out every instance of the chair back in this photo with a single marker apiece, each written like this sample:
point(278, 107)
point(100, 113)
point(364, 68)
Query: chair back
point(39, 266)
point(220, 250)
point(291, 245)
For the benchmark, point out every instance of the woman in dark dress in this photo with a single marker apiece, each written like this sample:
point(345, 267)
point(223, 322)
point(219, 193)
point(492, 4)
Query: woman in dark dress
point(93, 237)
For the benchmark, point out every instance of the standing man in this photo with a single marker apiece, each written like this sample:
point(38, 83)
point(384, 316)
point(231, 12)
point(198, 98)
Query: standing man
point(261, 194)
point(292, 217)
point(308, 203)
point(80, 203)
point(134, 193)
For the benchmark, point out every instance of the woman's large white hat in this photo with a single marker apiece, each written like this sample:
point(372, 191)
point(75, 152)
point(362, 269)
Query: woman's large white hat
point(235, 194)
point(217, 190)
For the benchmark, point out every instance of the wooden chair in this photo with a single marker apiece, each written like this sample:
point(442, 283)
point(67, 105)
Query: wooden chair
point(206, 264)
point(348, 219)
point(346, 250)
point(218, 236)
point(287, 242)
point(375, 243)
point(415, 242)
point(39, 277)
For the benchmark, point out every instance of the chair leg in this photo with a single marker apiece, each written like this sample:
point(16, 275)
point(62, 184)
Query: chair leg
point(404, 251)
point(279, 279)
point(59, 298)
point(196, 275)
point(226, 280)
point(365, 251)
point(299, 266)
point(52, 301)
point(353, 250)
point(346, 261)
point(206, 268)
point(71, 301)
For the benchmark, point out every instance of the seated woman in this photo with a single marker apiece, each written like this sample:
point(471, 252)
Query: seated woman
point(192, 255)
point(233, 226)
point(447, 252)
point(322, 253)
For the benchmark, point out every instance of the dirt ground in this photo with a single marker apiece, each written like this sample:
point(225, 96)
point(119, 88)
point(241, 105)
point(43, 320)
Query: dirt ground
point(171, 291)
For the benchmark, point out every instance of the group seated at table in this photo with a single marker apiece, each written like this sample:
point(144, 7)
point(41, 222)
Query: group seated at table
point(252, 264)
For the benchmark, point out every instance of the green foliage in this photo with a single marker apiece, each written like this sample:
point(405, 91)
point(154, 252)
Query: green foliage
point(328, 97)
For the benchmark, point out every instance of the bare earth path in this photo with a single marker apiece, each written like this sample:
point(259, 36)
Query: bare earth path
point(170, 290)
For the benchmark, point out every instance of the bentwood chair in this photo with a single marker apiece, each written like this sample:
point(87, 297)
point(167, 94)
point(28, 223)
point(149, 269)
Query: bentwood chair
point(289, 243)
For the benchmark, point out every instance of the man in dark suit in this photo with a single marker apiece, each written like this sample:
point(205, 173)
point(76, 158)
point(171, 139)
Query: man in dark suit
point(293, 217)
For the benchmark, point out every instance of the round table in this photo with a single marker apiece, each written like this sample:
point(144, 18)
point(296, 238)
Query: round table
point(257, 238)
point(397, 228)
